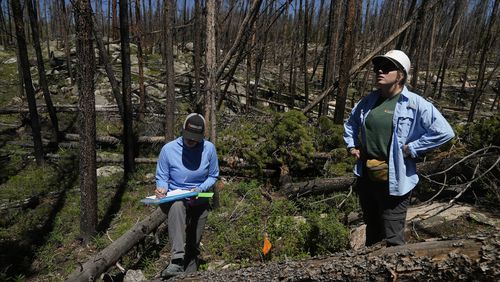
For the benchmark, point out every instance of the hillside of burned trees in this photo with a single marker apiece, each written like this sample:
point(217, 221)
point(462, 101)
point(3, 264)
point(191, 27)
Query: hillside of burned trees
point(91, 90)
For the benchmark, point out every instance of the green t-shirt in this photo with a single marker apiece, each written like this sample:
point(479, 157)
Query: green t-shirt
point(378, 128)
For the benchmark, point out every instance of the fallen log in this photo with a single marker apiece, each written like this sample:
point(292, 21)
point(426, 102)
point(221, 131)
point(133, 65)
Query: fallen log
point(28, 202)
point(59, 108)
point(317, 186)
point(95, 266)
point(473, 259)
point(99, 139)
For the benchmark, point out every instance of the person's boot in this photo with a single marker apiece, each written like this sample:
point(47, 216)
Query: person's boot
point(174, 268)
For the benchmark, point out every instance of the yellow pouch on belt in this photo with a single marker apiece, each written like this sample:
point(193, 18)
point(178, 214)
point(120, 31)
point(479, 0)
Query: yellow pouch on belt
point(377, 170)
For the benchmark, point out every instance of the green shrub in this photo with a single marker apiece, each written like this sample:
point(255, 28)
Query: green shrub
point(245, 140)
point(294, 141)
point(339, 164)
point(287, 140)
point(286, 230)
point(325, 234)
point(482, 133)
point(238, 225)
point(329, 135)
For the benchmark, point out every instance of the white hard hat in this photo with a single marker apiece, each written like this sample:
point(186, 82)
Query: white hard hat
point(398, 57)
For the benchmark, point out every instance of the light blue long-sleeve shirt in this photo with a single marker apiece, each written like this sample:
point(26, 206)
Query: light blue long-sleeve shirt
point(416, 122)
point(181, 167)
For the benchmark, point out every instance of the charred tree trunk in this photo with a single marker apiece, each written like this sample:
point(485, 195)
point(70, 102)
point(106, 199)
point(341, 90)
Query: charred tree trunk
point(211, 61)
point(4, 34)
point(107, 26)
point(85, 68)
point(128, 127)
point(20, 78)
point(67, 51)
point(198, 47)
point(259, 61)
point(114, 23)
point(332, 37)
point(430, 53)
point(416, 44)
point(447, 49)
point(305, 38)
point(402, 37)
point(248, 88)
point(17, 15)
point(41, 70)
point(110, 73)
point(346, 62)
point(169, 56)
point(292, 75)
point(478, 92)
point(140, 59)
point(47, 24)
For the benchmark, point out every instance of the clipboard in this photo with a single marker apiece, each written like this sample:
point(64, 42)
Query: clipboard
point(152, 200)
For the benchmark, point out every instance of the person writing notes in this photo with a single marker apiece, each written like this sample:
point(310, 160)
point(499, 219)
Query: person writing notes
point(188, 163)
point(386, 131)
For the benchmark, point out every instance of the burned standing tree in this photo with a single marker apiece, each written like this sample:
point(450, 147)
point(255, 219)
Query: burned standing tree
point(346, 62)
point(197, 48)
point(488, 40)
point(87, 118)
point(47, 24)
point(169, 75)
point(292, 74)
point(305, 38)
point(331, 53)
point(416, 45)
point(430, 53)
point(41, 70)
point(402, 37)
point(457, 15)
point(128, 127)
point(66, 30)
point(114, 25)
point(17, 15)
point(140, 59)
point(261, 45)
point(4, 33)
point(110, 73)
point(211, 61)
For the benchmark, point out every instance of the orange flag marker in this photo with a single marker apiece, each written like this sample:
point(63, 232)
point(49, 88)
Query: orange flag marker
point(267, 245)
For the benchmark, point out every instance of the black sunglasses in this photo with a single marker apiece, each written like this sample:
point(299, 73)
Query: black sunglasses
point(385, 68)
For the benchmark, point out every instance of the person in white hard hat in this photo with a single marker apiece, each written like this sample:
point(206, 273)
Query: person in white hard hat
point(386, 131)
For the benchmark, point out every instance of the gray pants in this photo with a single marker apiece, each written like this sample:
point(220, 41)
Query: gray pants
point(186, 221)
point(383, 214)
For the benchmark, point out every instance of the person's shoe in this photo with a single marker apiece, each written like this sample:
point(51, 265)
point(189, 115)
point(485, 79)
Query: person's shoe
point(172, 270)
